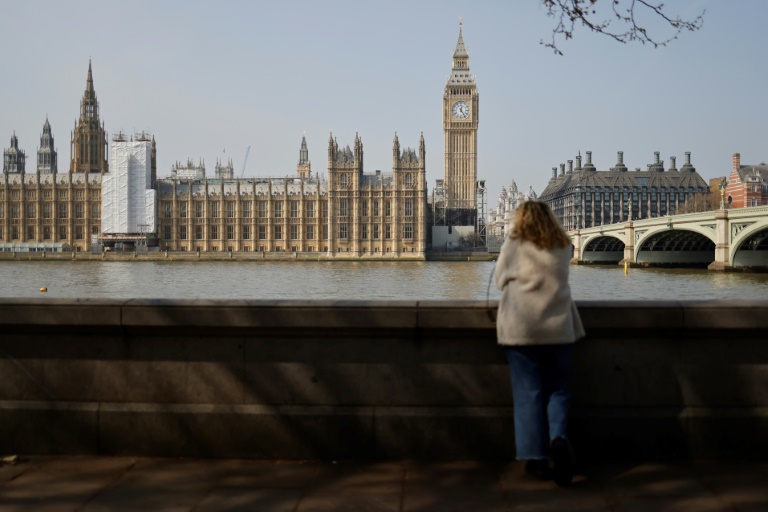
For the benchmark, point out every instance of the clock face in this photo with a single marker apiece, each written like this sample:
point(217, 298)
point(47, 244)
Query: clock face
point(460, 110)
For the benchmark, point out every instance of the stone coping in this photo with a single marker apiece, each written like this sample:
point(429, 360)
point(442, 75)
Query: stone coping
point(429, 314)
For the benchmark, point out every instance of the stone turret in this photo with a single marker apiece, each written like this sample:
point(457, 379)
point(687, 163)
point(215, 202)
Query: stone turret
point(46, 155)
point(304, 167)
point(14, 159)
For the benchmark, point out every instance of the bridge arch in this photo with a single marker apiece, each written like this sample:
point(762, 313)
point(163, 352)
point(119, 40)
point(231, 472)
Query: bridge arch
point(749, 244)
point(603, 249)
point(689, 246)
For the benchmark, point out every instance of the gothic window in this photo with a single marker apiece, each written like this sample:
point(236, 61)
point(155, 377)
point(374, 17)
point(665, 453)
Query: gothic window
point(278, 232)
point(343, 207)
point(342, 231)
point(375, 208)
point(182, 232)
point(364, 231)
point(62, 232)
point(343, 179)
point(246, 232)
point(230, 210)
point(408, 231)
point(387, 231)
point(46, 232)
point(408, 180)
point(375, 231)
point(278, 209)
point(214, 209)
point(15, 233)
point(365, 208)
point(294, 209)
point(310, 209)
point(78, 211)
point(199, 209)
point(46, 211)
point(95, 213)
point(262, 232)
point(246, 209)
point(30, 211)
point(325, 208)
point(408, 208)
point(230, 232)
point(310, 232)
point(325, 231)
point(31, 233)
point(183, 210)
point(262, 209)
point(15, 211)
point(167, 210)
point(198, 232)
point(214, 232)
point(2, 213)
point(387, 208)
point(294, 232)
point(167, 232)
point(78, 232)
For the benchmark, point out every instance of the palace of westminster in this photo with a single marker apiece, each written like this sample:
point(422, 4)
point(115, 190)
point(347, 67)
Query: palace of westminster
point(107, 200)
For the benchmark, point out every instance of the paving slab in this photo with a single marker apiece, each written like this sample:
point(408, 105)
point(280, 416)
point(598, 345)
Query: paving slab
point(88, 484)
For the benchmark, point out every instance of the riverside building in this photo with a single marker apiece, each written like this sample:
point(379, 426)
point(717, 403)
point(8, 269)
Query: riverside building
point(584, 197)
point(349, 214)
point(46, 210)
point(747, 184)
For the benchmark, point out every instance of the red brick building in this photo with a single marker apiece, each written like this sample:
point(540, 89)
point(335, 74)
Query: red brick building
point(747, 185)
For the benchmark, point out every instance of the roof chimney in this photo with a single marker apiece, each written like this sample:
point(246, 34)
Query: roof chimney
point(672, 160)
point(562, 169)
point(554, 172)
point(578, 162)
point(736, 161)
point(570, 166)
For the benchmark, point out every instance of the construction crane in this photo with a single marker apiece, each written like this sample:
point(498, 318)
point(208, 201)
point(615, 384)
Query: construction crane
point(245, 161)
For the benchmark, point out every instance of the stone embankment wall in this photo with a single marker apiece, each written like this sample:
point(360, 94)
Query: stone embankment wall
point(368, 380)
point(205, 256)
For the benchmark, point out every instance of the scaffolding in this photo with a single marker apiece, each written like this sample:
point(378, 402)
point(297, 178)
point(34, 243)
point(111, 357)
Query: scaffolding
point(482, 202)
point(438, 203)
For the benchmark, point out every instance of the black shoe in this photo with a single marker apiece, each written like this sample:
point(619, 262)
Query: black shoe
point(538, 469)
point(563, 465)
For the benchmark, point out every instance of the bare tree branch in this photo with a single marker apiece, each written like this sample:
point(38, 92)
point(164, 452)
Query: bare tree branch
point(619, 23)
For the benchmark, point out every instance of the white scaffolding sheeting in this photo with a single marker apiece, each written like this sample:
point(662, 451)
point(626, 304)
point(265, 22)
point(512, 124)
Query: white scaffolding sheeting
point(128, 202)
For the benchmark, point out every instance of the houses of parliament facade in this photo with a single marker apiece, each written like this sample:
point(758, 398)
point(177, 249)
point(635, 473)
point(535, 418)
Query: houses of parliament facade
point(349, 214)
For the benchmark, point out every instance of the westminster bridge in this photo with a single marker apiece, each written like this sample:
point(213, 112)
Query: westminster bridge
point(719, 240)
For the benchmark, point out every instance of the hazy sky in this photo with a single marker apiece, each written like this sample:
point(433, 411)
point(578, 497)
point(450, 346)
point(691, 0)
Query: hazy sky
point(209, 79)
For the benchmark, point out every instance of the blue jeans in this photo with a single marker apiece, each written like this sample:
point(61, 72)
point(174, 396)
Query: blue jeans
point(541, 396)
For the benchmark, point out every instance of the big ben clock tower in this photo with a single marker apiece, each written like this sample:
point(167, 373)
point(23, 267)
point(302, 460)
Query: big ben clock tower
point(460, 118)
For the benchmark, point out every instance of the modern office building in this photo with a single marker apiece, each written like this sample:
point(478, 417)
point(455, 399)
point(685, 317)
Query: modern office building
point(584, 197)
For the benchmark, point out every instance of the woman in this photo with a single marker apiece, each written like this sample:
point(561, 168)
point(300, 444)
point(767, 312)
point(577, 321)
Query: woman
point(537, 324)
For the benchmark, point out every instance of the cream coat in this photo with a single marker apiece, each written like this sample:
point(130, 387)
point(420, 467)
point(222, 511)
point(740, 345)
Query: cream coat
point(536, 306)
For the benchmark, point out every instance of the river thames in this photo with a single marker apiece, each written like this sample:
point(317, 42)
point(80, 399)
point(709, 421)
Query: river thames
point(351, 281)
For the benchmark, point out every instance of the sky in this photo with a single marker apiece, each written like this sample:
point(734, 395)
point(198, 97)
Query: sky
point(210, 79)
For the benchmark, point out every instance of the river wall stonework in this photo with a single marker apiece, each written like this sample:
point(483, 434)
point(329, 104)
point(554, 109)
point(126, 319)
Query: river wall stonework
point(369, 380)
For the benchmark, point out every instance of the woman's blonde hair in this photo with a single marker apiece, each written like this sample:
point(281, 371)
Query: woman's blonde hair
point(535, 222)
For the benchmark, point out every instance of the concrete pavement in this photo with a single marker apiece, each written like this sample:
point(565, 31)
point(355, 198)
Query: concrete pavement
point(89, 484)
